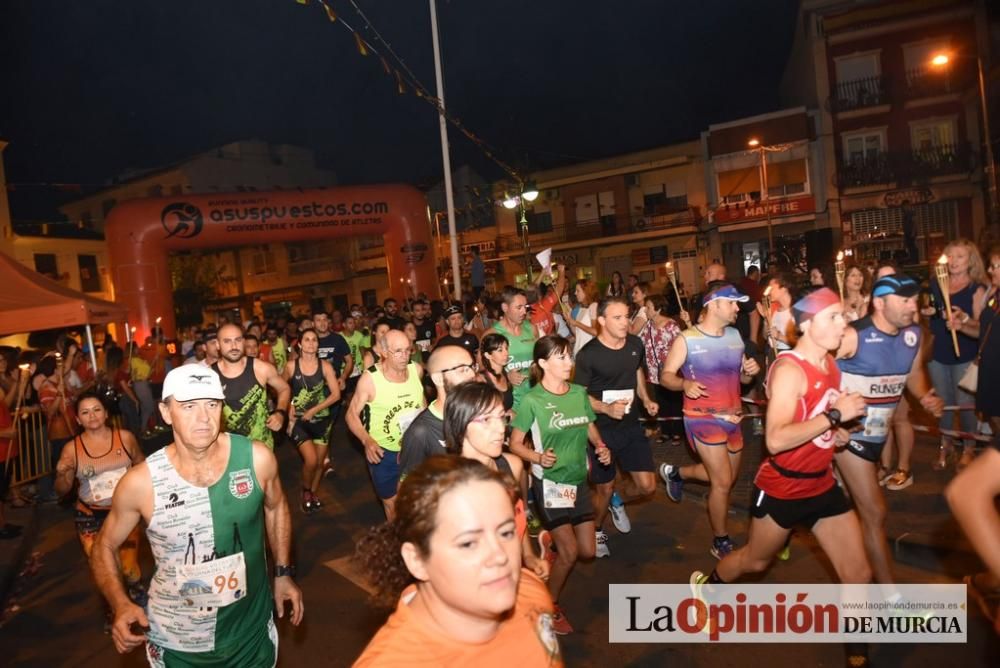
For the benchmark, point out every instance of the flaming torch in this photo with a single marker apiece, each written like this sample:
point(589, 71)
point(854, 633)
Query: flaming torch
point(672, 277)
point(941, 269)
point(840, 270)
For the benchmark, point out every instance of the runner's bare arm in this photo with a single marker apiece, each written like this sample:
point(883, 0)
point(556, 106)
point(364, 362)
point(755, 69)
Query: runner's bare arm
point(518, 447)
point(132, 501)
point(971, 495)
point(919, 384)
point(273, 379)
point(364, 393)
point(348, 365)
point(287, 374)
point(132, 446)
point(66, 469)
point(278, 523)
point(670, 376)
point(848, 345)
point(642, 389)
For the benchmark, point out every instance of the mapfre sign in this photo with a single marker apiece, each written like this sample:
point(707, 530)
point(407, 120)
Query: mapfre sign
point(779, 207)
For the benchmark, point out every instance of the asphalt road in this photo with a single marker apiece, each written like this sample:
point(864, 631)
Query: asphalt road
point(59, 620)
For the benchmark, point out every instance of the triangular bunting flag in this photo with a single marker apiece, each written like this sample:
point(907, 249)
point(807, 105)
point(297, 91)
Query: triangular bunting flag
point(362, 47)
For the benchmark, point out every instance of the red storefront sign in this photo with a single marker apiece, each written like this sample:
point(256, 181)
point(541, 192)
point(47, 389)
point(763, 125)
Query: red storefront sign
point(755, 210)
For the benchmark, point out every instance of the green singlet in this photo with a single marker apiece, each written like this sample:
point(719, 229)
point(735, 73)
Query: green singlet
point(559, 422)
point(522, 350)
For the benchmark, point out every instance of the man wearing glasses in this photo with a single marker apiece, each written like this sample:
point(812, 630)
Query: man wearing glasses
point(387, 400)
point(448, 366)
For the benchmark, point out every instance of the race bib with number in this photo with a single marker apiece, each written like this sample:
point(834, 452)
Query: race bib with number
point(213, 584)
point(611, 396)
point(878, 421)
point(406, 419)
point(97, 491)
point(558, 495)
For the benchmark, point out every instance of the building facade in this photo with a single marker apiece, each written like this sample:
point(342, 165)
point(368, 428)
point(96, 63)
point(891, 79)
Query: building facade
point(903, 135)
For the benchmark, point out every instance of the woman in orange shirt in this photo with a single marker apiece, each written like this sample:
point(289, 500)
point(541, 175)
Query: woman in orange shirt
point(463, 597)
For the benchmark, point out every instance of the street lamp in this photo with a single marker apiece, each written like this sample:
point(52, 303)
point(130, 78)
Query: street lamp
point(755, 145)
point(528, 193)
point(942, 60)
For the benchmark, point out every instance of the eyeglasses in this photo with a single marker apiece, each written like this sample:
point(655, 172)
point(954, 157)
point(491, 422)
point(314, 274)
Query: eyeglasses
point(484, 419)
point(400, 352)
point(471, 367)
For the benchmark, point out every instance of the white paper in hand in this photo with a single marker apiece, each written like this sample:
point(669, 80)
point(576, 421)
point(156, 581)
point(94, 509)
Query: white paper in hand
point(545, 259)
point(611, 396)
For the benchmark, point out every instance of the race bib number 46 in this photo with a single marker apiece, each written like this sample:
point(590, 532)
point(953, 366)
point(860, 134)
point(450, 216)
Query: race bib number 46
point(558, 495)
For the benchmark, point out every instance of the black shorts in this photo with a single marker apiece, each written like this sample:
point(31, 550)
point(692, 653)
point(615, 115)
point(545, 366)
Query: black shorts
point(317, 431)
point(790, 513)
point(6, 473)
point(867, 450)
point(630, 450)
point(552, 518)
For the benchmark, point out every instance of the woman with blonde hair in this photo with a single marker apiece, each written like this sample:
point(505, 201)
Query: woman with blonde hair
point(584, 325)
point(966, 283)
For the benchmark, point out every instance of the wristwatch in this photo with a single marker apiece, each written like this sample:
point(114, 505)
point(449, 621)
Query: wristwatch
point(280, 411)
point(833, 415)
point(280, 571)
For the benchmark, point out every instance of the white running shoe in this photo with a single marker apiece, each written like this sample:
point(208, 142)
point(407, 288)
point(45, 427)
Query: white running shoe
point(602, 545)
point(618, 514)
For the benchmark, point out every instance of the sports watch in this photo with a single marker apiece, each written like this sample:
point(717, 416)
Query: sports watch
point(281, 570)
point(833, 415)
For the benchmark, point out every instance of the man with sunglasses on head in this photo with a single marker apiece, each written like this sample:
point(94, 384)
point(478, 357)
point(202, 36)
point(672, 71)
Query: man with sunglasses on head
point(388, 398)
point(449, 366)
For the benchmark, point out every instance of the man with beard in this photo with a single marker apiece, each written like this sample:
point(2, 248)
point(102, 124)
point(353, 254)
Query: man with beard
point(392, 316)
point(879, 357)
point(711, 357)
point(448, 367)
point(245, 381)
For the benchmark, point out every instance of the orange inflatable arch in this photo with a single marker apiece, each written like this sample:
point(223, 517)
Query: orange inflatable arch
point(141, 232)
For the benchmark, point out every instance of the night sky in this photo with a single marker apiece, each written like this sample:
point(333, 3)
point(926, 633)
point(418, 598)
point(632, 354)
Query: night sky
point(93, 88)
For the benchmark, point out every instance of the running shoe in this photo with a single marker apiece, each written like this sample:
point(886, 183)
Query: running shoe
point(722, 547)
point(317, 504)
point(602, 545)
point(559, 623)
point(618, 514)
point(546, 546)
point(673, 481)
point(327, 467)
point(307, 503)
point(899, 480)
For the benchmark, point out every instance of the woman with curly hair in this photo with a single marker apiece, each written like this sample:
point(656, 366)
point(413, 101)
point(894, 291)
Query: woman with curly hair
point(452, 560)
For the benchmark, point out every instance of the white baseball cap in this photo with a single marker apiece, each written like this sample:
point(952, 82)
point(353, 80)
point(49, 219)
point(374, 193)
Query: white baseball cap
point(192, 381)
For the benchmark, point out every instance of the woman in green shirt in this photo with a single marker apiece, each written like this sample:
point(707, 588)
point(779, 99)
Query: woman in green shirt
point(558, 415)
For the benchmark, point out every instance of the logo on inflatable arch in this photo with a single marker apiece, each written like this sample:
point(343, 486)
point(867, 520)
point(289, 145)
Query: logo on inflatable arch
point(182, 220)
point(414, 253)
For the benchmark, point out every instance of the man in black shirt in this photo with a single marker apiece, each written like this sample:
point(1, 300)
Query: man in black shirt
point(425, 327)
point(457, 336)
point(333, 348)
point(447, 367)
point(611, 367)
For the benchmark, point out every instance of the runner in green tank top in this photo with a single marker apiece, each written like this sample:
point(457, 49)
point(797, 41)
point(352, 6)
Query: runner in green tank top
point(207, 500)
point(388, 398)
point(520, 335)
point(561, 422)
point(244, 381)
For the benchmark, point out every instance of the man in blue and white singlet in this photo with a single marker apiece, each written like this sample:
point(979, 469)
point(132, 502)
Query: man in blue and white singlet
point(206, 500)
point(879, 358)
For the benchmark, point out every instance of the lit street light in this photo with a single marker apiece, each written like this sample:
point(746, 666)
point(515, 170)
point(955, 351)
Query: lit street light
point(942, 60)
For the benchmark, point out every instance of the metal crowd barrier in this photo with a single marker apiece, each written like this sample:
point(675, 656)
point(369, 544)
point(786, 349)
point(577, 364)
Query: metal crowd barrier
point(34, 459)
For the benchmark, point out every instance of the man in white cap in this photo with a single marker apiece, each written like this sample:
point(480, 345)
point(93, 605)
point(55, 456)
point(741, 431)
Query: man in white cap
point(708, 363)
point(210, 602)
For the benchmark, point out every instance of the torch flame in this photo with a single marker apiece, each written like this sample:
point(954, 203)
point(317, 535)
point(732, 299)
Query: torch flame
point(767, 291)
point(943, 259)
point(840, 256)
point(23, 367)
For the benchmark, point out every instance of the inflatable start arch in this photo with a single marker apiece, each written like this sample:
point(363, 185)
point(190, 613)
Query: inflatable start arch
point(141, 232)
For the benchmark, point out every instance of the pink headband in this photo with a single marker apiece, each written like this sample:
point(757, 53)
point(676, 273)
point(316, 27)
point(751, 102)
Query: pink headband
point(813, 303)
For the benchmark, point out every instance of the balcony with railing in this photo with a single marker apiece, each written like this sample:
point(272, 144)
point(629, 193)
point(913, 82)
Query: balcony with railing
point(598, 230)
point(860, 94)
point(928, 82)
point(905, 167)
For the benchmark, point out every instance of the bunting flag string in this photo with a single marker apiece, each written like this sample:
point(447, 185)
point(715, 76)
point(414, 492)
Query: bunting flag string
point(405, 79)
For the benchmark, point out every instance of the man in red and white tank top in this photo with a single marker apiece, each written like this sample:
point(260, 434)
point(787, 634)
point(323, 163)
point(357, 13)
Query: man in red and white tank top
point(795, 485)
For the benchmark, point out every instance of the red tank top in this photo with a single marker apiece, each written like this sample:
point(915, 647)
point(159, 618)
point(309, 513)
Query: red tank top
point(805, 471)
